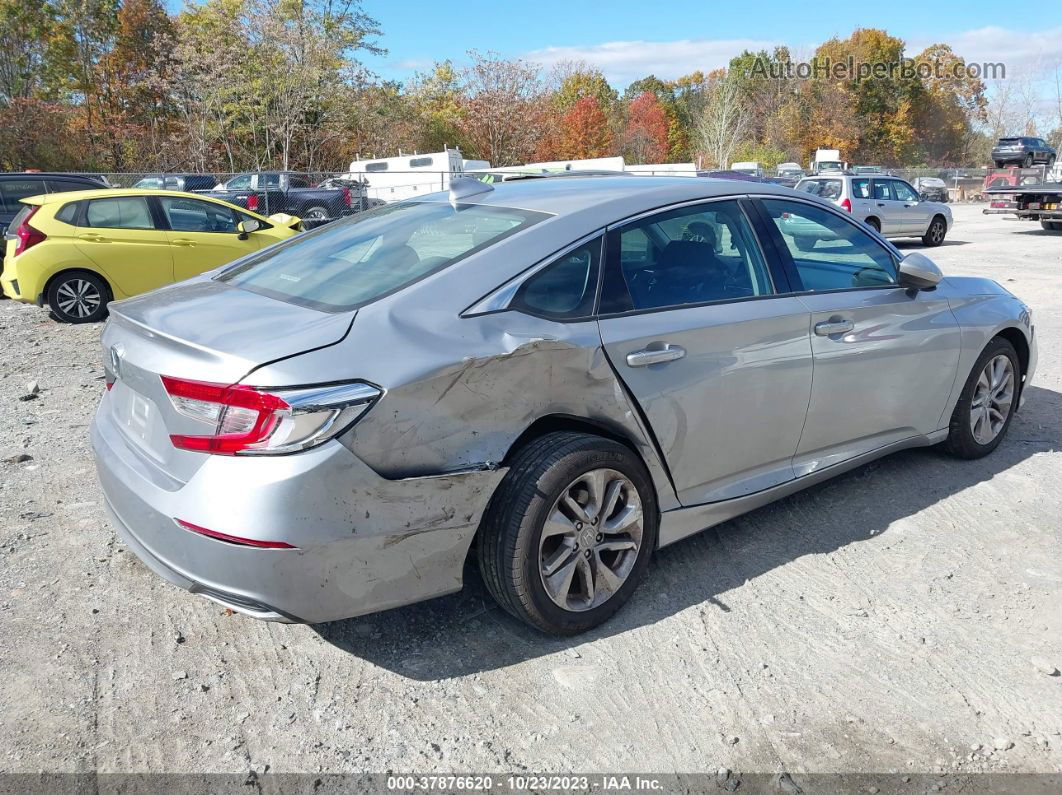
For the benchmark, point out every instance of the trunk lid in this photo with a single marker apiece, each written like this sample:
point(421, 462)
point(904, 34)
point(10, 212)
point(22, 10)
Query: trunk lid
point(200, 330)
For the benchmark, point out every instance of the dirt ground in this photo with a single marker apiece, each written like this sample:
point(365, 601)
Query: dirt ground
point(905, 617)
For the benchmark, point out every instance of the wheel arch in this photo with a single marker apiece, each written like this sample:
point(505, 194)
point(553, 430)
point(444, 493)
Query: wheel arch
point(76, 269)
point(1016, 337)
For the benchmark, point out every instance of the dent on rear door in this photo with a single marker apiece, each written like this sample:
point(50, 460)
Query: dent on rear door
point(728, 415)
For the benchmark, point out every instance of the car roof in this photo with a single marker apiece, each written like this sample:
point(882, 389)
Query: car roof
point(102, 193)
point(50, 174)
point(577, 193)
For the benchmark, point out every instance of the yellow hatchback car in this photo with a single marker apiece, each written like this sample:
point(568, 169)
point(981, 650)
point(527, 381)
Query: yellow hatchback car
point(77, 251)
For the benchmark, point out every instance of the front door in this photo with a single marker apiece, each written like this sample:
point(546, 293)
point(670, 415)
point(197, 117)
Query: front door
point(916, 213)
point(202, 235)
point(885, 358)
point(718, 358)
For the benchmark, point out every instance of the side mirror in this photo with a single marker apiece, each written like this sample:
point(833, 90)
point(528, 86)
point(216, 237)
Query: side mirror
point(918, 272)
point(247, 226)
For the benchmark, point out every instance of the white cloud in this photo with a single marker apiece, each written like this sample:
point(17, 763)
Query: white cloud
point(625, 61)
point(1021, 52)
point(622, 62)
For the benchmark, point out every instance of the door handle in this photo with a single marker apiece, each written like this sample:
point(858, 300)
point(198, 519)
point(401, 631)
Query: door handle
point(91, 237)
point(828, 327)
point(646, 356)
point(182, 241)
point(881, 204)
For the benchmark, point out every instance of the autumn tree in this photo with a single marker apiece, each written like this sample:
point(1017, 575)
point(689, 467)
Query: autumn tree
point(504, 108)
point(724, 120)
point(584, 132)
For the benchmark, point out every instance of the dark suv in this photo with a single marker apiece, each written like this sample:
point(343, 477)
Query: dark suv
point(1023, 151)
point(18, 185)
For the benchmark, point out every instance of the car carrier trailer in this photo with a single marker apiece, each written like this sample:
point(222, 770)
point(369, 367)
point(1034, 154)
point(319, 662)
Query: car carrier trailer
point(1041, 203)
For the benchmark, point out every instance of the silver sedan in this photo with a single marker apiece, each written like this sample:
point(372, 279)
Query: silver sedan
point(554, 377)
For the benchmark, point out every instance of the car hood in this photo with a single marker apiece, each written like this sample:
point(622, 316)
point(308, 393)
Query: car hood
point(211, 331)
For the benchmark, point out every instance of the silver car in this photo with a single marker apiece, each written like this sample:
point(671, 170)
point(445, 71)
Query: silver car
point(553, 377)
point(888, 205)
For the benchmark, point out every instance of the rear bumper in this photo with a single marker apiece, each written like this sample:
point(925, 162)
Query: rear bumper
point(364, 543)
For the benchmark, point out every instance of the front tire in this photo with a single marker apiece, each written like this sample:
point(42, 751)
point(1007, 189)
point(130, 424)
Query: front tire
point(987, 402)
point(78, 297)
point(1028, 162)
point(1051, 226)
point(805, 243)
point(568, 534)
point(934, 236)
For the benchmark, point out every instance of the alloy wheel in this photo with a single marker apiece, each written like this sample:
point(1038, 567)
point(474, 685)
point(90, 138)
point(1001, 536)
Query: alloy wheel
point(78, 298)
point(590, 540)
point(936, 232)
point(992, 399)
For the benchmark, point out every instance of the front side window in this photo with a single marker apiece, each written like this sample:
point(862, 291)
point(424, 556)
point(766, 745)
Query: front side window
point(126, 212)
point(149, 183)
point(690, 255)
point(193, 215)
point(348, 264)
point(269, 181)
point(904, 192)
point(829, 252)
point(242, 182)
point(566, 288)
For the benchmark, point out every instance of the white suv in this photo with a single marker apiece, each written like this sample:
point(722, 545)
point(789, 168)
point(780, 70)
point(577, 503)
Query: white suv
point(889, 205)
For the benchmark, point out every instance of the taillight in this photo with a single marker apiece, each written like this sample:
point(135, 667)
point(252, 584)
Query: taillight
point(236, 540)
point(346, 196)
point(26, 235)
point(846, 205)
point(252, 202)
point(243, 420)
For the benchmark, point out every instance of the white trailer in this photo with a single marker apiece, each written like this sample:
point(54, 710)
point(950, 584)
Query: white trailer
point(392, 179)
point(827, 160)
point(663, 169)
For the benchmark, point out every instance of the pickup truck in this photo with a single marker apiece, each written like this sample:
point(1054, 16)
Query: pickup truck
point(1041, 203)
point(269, 192)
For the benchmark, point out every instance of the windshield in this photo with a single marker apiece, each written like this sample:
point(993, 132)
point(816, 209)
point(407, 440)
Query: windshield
point(347, 264)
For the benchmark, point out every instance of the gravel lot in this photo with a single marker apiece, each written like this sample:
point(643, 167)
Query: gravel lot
point(905, 617)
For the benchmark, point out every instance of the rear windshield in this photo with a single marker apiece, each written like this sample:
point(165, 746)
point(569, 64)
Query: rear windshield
point(347, 264)
point(826, 188)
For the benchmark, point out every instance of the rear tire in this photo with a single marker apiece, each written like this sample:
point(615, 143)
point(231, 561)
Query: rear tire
point(938, 230)
point(987, 402)
point(874, 224)
point(998, 163)
point(805, 243)
point(1051, 226)
point(533, 533)
point(1028, 162)
point(78, 297)
point(315, 214)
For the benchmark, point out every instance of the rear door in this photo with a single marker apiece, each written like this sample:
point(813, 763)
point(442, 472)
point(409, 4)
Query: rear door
point(885, 359)
point(119, 235)
point(885, 206)
point(716, 354)
point(202, 235)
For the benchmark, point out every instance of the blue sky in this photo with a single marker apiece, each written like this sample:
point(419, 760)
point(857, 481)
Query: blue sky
point(630, 38)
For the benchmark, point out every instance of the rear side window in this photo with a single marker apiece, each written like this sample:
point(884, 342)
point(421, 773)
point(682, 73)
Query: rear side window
point(826, 188)
point(690, 255)
point(65, 185)
point(68, 213)
point(828, 252)
point(860, 188)
point(126, 212)
point(344, 265)
point(420, 162)
point(566, 288)
point(12, 190)
point(376, 167)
